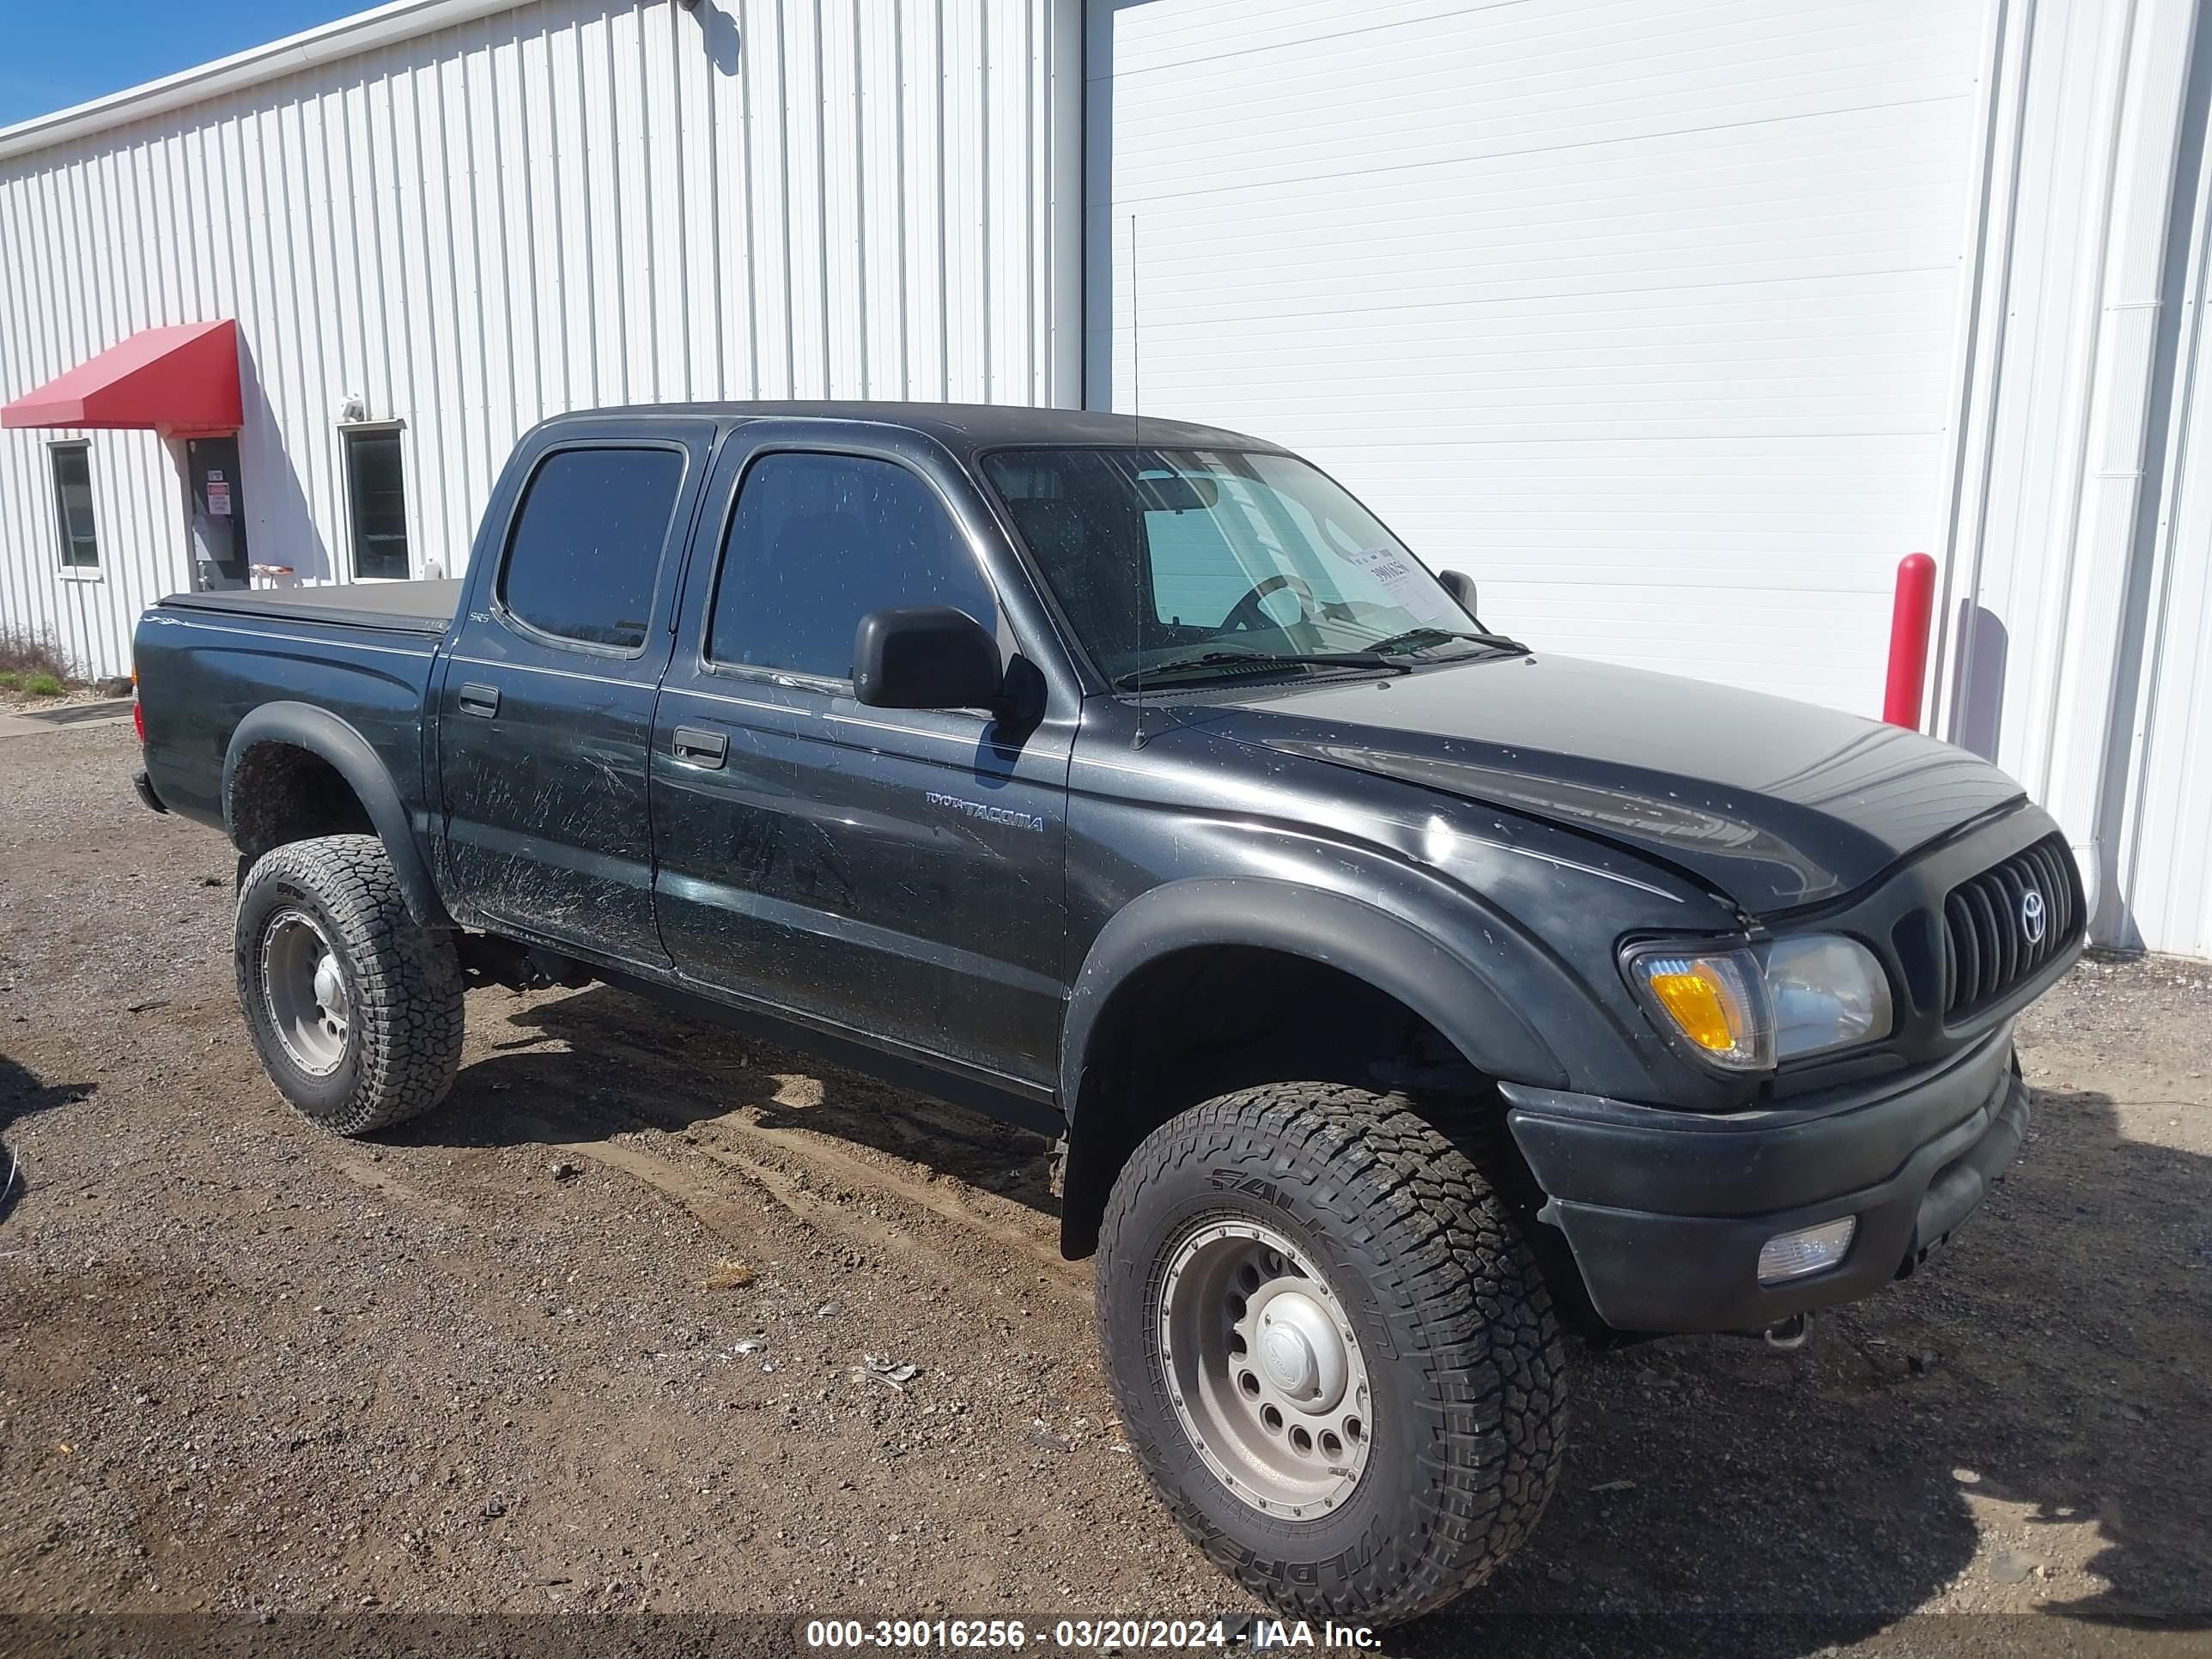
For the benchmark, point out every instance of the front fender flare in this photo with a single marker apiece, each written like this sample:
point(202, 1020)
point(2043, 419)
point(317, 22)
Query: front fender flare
point(1372, 944)
point(1382, 949)
point(318, 731)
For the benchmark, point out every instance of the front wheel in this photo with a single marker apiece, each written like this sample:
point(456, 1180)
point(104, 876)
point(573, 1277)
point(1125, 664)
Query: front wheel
point(354, 1008)
point(1334, 1355)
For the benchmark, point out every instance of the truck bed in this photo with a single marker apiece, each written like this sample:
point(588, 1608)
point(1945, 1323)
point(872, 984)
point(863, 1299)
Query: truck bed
point(421, 607)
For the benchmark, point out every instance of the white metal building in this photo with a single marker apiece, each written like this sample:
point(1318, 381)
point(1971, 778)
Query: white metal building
point(1676, 324)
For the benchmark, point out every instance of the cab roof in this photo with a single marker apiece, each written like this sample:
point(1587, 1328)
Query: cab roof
point(966, 429)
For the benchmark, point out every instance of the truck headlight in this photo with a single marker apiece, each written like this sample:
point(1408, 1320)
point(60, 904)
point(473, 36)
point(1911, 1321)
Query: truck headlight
point(1744, 1009)
point(1827, 992)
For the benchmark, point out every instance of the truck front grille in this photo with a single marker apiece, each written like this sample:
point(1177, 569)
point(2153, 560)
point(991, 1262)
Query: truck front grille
point(1990, 921)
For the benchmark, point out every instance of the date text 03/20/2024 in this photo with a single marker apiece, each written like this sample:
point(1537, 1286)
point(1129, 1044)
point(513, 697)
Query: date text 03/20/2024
point(1254, 1635)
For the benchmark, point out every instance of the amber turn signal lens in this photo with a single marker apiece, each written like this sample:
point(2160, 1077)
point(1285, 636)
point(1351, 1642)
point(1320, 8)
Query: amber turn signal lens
point(1695, 1001)
point(1712, 1000)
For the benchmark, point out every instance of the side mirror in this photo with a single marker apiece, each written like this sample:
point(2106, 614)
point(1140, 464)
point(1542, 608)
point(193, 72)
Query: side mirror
point(926, 656)
point(1461, 586)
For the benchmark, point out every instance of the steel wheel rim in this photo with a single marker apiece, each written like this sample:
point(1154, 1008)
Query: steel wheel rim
point(306, 992)
point(1263, 1369)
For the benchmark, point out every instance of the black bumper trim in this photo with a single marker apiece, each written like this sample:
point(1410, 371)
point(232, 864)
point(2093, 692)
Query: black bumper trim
point(1690, 1263)
point(1960, 1186)
point(145, 786)
point(1595, 1151)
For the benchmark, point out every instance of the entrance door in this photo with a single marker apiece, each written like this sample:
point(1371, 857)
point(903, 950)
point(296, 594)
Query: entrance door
point(219, 555)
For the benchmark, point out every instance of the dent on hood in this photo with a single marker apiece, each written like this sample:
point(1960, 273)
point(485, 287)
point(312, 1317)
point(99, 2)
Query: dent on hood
point(1619, 814)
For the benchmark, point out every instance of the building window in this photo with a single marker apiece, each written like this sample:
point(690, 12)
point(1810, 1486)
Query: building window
point(72, 465)
point(377, 489)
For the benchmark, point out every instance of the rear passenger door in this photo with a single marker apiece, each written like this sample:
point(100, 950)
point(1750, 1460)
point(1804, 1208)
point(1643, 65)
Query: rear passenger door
point(893, 873)
point(546, 710)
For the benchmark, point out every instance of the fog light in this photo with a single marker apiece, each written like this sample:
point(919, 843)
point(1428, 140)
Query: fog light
point(1807, 1250)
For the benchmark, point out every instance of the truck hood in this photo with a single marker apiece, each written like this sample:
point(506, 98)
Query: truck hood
point(1774, 803)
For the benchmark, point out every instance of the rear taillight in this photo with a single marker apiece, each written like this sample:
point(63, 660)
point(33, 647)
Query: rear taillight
point(138, 709)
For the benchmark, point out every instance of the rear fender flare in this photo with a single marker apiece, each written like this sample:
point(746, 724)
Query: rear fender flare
point(318, 731)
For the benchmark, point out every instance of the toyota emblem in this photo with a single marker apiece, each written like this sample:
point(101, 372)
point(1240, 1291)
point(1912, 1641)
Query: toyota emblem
point(2032, 922)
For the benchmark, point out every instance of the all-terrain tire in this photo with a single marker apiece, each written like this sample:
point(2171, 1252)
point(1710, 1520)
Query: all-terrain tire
point(402, 983)
point(1465, 1361)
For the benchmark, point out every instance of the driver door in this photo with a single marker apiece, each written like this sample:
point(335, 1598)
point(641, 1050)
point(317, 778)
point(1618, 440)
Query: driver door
point(896, 874)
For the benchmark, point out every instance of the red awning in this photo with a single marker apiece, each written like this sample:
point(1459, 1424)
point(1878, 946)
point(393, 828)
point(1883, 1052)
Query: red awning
point(174, 380)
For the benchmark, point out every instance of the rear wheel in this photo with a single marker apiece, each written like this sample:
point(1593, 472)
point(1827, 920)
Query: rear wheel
point(354, 1008)
point(1333, 1354)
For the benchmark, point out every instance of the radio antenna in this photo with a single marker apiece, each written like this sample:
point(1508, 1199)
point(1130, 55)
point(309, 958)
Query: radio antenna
point(1137, 559)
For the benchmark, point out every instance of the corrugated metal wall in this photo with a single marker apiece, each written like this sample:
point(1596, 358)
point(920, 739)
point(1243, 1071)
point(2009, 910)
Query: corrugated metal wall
point(2163, 861)
point(2004, 629)
point(566, 204)
point(2159, 815)
point(1644, 315)
point(2073, 643)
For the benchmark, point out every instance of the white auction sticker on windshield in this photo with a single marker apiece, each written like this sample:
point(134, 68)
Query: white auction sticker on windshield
point(1404, 583)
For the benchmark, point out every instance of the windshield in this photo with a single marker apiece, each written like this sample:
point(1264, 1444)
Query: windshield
point(1203, 560)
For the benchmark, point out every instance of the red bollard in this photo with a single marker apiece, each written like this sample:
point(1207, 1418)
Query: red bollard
point(1908, 638)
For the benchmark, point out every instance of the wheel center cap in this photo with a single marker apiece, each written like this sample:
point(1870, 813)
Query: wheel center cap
point(329, 987)
point(1300, 1348)
point(1289, 1359)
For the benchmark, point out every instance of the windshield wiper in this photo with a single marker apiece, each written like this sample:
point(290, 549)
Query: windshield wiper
point(1249, 660)
point(1414, 639)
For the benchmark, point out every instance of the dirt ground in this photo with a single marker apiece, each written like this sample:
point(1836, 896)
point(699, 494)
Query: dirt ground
point(595, 1337)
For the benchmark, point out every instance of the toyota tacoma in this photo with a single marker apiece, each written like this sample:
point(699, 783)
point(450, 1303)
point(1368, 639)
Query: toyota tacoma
point(1405, 997)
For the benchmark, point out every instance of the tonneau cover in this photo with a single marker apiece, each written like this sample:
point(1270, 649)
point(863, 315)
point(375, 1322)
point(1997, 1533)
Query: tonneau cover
point(423, 607)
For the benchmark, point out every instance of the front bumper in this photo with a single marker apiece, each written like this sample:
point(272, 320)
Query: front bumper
point(1665, 1211)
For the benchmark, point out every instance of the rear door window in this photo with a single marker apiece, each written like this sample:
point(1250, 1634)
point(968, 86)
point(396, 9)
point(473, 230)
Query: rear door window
point(584, 558)
point(816, 543)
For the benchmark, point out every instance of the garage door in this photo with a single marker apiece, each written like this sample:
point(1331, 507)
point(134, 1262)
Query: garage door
point(1640, 314)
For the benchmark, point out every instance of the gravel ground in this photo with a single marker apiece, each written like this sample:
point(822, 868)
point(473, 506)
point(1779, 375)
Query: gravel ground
point(594, 1336)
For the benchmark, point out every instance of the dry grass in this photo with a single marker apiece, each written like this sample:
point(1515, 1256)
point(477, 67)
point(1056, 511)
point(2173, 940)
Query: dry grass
point(32, 663)
point(726, 1275)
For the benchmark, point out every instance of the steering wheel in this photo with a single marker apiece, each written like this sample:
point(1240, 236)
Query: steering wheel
point(1245, 616)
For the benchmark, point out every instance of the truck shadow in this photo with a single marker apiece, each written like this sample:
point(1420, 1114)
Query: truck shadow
point(2003, 1448)
point(651, 1066)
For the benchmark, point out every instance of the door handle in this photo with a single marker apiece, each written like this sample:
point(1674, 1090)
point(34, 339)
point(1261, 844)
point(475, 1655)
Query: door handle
point(699, 747)
point(482, 699)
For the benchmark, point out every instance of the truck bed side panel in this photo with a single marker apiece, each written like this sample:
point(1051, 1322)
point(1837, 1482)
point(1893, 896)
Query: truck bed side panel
point(200, 672)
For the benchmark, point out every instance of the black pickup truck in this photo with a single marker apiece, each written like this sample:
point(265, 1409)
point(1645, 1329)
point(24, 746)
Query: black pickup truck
point(1405, 996)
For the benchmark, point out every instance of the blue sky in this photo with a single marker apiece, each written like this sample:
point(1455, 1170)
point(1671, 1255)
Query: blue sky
point(59, 55)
